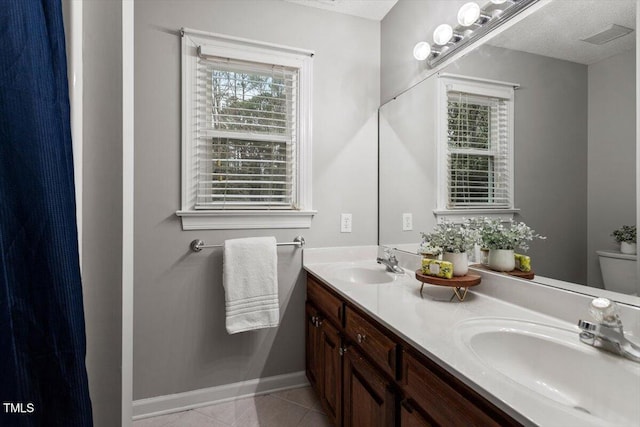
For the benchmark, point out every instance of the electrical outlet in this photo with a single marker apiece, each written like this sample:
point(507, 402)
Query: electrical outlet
point(345, 223)
point(407, 222)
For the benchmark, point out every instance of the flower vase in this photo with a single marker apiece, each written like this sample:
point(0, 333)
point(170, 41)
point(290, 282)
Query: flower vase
point(628, 248)
point(459, 261)
point(501, 260)
point(484, 256)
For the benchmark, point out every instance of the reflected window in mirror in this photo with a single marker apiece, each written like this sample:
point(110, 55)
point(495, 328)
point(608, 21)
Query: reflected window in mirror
point(475, 147)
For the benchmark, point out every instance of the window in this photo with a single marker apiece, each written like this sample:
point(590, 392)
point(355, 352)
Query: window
point(246, 134)
point(475, 147)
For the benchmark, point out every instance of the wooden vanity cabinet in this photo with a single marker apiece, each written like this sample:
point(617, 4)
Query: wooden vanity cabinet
point(324, 362)
point(366, 376)
point(324, 348)
point(444, 398)
point(368, 397)
point(312, 345)
point(331, 351)
point(373, 342)
point(410, 417)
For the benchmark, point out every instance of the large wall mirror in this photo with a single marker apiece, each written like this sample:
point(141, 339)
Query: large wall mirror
point(574, 136)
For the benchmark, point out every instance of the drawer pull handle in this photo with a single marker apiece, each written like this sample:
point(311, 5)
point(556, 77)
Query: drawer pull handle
point(316, 321)
point(361, 338)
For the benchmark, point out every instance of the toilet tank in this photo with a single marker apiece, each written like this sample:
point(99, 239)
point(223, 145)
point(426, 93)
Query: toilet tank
point(619, 271)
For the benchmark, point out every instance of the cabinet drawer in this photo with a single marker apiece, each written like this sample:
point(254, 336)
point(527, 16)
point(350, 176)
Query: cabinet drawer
point(443, 403)
point(373, 342)
point(328, 304)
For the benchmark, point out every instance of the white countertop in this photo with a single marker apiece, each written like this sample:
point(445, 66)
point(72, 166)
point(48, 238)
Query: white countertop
point(430, 325)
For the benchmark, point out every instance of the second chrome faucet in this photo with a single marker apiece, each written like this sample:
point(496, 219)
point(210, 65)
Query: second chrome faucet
point(607, 332)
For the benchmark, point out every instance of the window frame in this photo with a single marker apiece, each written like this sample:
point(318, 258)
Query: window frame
point(196, 42)
point(478, 87)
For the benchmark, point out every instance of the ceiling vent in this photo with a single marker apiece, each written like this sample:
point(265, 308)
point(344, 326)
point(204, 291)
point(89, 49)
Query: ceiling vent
point(610, 33)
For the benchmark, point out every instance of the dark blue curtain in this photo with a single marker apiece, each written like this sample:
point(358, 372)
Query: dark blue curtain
point(43, 380)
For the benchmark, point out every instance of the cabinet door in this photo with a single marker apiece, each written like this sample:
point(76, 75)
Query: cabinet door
point(372, 341)
point(410, 417)
point(443, 399)
point(330, 375)
point(368, 400)
point(329, 304)
point(312, 350)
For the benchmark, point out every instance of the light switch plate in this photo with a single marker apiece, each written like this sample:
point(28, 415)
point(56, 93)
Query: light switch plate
point(345, 223)
point(407, 222)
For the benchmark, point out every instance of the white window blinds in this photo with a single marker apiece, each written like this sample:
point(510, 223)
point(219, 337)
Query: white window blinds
point(246, 135)
point(478, 157)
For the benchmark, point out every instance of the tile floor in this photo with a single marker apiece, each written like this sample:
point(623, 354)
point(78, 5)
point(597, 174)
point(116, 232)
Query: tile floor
point(290, 408)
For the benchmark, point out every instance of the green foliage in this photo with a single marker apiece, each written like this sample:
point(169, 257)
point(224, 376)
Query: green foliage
point(495, 235)
point(626, 233)
point(425, 248)
point(468, 125)
point(452, 237)
point(248, 102)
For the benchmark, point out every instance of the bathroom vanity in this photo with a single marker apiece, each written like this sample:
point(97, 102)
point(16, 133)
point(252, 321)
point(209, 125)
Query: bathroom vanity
point(378, 352)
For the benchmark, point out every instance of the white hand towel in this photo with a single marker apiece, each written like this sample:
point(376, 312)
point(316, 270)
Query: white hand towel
point(250, 279)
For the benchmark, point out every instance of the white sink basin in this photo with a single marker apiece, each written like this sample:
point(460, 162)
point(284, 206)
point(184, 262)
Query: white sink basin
point(552, 363)
point(363, 274)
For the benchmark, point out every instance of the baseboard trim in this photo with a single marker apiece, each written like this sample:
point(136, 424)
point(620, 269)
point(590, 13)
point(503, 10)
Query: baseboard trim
point(160, 405)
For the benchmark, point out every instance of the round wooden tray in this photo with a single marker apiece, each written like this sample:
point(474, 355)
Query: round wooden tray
point(457, 281)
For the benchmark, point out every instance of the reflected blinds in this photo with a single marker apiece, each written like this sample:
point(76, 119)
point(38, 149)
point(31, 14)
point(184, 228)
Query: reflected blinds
point(477, 151)
point(246, 135)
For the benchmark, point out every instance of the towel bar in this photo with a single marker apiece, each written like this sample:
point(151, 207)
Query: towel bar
point(198, 245)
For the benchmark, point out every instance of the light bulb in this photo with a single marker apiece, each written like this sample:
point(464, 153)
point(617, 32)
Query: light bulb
point(498, 1)
point(468, 14)
point(442, 34)
point(421, 51)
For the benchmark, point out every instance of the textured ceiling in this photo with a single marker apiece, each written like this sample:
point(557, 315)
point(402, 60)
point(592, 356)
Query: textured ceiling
point(556, 29)
point(370, 9)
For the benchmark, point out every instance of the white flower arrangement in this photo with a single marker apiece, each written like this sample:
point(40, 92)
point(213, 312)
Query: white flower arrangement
point(425, 248)
point(495, 235)
point(450, 237)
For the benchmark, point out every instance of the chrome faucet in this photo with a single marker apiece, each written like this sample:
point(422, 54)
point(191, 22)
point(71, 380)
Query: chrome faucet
point(607, 334)
point(390, 261)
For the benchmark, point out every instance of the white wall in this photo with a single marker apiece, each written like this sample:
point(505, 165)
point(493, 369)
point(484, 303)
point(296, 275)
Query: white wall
point(180, 342)
point(102, 206)
point(612, 153)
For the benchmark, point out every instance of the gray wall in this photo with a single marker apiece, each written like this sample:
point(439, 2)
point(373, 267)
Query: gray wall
point(612, 153)
point(180, 342)
point(550, 153)
point(408, 163)
point(102, 205)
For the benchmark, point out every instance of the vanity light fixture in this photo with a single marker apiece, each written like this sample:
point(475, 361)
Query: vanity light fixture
point(444, 33)
point(421, 51)
point(474, 23)
point(468, 14)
